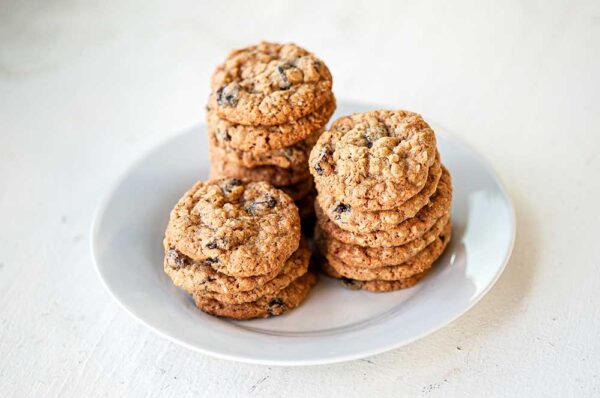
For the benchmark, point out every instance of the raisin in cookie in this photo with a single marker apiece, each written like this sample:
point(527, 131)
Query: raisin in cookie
point(374, 257)
point(354, 220)
point(293, 156)
point(417, 264)
point(277, 303)
point(238, 228)
point(438, 207)
point(375, 160)
point(269, 84)
point(277, 176)
point(260, 139)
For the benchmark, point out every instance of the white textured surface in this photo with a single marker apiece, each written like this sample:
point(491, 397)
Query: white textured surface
point(86, 88)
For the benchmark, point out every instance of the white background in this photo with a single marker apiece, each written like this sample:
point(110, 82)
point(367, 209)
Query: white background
point(86, 88)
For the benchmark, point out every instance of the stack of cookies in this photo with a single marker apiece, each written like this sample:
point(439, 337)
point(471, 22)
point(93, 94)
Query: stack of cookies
point(384, 198)
point(268, 105)
point(236, 248)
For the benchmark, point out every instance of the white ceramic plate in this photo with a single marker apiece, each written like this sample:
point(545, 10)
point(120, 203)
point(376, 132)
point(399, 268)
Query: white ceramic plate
point(334, 324)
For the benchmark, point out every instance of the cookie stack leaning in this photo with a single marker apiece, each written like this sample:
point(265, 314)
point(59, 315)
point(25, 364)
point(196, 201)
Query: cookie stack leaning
point(384, 199)
point(236, 247)
point(268, 105)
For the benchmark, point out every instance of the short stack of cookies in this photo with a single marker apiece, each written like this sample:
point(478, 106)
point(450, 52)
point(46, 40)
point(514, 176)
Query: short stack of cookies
point(236, 247)
point(384, 199)
point(268, 105)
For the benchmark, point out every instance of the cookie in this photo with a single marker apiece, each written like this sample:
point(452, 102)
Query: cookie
point(417, 264)
point(295, 267)
point(198, 276)
point(270, 305)
point(192, 275)
point(260, 139)
point(239, 228)
point(375, 286)
point(354, 220)
point(268, 84)
point(277, 176)
point(289, 157)
point(299, 190)
point(439, 206)
point(375, 160)
point(374, 257)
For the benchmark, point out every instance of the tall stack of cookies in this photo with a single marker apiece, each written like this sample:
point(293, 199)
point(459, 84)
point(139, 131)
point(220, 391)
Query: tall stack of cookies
point(268, 106)
point(384, 198)
point(236, 247)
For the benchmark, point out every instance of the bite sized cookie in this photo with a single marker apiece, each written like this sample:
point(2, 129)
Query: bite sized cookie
point(260, 139)
point(289, 157)
point(239, 228)
point(269, 84)
point(277, 176)
point(374, 257)
point(277, 303)
point(417, 264)
point(294, 267)
point(411, 229)
point(350, 219)
point(375, 286)
point(375, 160)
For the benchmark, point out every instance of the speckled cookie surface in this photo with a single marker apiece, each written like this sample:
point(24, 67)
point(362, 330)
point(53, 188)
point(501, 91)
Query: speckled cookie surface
point(238, 228)
point(368, 221)
point(260, 139)
point(374, 160)
point(439, 206)
point(292, 156)
point(417, 264)
point(294, 267)
point(269, 84)
point(270, 305)
point(374, 257)
point(277, 176)
point(375, 286)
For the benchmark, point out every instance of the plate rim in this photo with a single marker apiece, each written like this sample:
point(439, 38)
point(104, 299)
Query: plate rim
point(444, 132)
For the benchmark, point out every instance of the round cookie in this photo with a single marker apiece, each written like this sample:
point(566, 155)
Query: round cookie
point(295, 267)
point(237, 227)
point(375, 286)
point(292, 156)
point(198, 276)
point(354, 220)
point(192, 275)
point(438, 207)
point(269, 84)
point(374, 257)
point(375, 160)
point(260, 139)
point(277, 176)
point(299, 190)
point(274, 304)
point(420, 262)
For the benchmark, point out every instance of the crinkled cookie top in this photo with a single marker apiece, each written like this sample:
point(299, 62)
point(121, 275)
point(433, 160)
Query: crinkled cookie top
point(239, 228)
point(375, 160)
point(269, 84)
